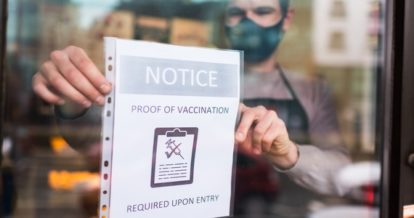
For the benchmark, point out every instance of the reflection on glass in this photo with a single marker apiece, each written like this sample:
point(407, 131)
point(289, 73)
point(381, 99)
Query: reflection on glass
point(189, 32)
point(151, 28)
point(56, 175)
point(337, 41)
point(338, 9)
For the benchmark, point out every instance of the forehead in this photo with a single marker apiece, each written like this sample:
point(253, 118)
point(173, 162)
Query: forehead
point(254, 3)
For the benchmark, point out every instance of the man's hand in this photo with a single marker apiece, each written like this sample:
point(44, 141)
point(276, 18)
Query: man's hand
point(261, 131)
point(70, 74)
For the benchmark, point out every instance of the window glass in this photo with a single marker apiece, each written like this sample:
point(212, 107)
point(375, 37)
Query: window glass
point(321, 81)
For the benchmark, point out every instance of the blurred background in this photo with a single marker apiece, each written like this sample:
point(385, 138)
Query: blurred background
point(335, 40)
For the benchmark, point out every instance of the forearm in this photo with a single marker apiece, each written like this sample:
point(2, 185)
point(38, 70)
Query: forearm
point(316, 169)
point(80, 130)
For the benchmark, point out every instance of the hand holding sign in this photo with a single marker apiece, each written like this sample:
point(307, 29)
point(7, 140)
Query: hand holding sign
point(70, 74)
point(262, 131)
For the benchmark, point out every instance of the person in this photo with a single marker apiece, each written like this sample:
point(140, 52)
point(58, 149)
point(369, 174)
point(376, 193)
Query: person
point(286, 118)
point(293, 117)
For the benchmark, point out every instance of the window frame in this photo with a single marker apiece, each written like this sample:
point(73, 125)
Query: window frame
point(395, 105)
point(3, 28)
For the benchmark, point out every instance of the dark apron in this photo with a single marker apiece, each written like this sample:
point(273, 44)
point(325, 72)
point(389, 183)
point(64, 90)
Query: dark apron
point(287, 193)
point(290, 111)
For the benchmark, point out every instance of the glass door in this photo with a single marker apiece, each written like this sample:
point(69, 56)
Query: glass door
point(331, 80)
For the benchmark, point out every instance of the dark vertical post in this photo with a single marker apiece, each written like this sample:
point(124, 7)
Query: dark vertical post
point(389, 106)
point(407, 118)
point(3, 25)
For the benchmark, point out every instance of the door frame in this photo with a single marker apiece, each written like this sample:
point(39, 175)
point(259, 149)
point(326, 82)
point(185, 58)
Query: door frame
point(3, 26)
point(3, 35)
point(395, 107)
point(407, 109)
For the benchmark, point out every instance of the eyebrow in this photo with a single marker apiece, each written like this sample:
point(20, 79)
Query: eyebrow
point(233, 9)
point(265, 7)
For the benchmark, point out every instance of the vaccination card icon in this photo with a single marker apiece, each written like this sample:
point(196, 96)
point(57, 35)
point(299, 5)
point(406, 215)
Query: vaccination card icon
point(173, 156)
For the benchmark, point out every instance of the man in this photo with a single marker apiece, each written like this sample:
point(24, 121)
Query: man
point(289, 120)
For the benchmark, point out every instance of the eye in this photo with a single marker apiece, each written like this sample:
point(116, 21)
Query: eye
point(264, 10)
point(235, 12)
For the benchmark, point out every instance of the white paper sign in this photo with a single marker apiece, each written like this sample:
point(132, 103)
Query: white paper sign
point(168, 130)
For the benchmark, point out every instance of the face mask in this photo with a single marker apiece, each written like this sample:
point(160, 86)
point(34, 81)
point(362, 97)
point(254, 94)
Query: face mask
point(258, 43)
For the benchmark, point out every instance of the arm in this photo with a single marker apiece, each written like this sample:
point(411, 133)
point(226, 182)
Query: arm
point(320, 162)
point(79, 130)
point(312, 166)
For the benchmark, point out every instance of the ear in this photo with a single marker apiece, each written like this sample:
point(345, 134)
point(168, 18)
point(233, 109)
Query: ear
point(288, 19)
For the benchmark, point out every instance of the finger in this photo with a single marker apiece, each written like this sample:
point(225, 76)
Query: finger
point(75, 77)
point(249, 116)
point(262, 128)
point(246, 145)
point(280, 143)
point(242, 107)
point(81, 60)
point(270, 136)
point(39, 85)
point(58, 82)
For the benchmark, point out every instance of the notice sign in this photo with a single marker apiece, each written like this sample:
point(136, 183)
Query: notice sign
point(168, 130)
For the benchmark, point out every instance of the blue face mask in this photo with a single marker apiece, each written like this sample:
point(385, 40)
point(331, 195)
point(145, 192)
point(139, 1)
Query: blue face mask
point(258, 43)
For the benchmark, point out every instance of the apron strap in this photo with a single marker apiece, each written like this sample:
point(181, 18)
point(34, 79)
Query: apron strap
point(291, 90)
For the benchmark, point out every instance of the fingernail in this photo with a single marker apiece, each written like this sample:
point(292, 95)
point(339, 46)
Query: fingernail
point(86, 104)
point(100, 100)
point(257, 151)
point(105, 88)
point(239, 135)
